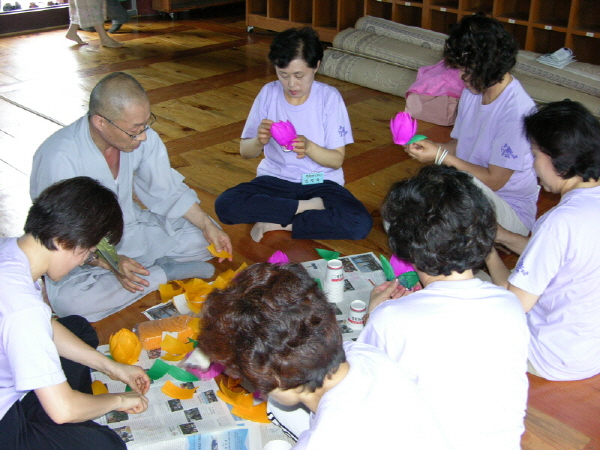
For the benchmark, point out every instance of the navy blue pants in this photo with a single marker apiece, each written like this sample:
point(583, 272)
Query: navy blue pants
point(26, 426)
point(272, 200)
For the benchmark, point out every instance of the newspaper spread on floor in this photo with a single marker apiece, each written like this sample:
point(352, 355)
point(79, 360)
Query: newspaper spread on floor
point(166, 418)
point(361, 273)
point(171, 424)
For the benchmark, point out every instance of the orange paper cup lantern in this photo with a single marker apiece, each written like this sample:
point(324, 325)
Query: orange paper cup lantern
point(125, 347)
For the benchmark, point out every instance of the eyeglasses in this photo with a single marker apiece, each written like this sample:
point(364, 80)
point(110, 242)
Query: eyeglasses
point(133, 136)
point(93, 257)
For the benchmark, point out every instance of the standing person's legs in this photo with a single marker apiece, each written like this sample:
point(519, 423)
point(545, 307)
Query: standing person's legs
point(117, 14)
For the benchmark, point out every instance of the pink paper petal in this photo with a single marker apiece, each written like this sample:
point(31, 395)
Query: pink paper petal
point(403, 128)
point(400, 266)
point(214, 370)
point(278, 258)
point(284, 133)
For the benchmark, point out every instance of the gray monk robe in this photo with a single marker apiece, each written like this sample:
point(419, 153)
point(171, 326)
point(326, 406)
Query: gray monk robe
point(149, 234)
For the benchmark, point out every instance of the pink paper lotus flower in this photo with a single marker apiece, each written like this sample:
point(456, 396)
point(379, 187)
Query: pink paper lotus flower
point(284, 133)
point(400, 266)
point(403, 127)
point(278, 258)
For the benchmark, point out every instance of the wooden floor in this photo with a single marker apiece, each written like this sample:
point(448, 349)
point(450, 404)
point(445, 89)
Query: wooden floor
point(202, 73)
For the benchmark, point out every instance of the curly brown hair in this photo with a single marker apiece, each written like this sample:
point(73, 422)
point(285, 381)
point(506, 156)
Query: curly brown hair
point(483, 49)
point(273, 327)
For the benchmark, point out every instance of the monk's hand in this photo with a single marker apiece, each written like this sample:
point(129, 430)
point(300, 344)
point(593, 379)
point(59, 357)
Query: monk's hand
point(214, 235)
point(129, 276)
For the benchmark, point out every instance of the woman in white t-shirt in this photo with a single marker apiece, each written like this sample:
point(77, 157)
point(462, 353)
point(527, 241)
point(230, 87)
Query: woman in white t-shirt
point(46, 400)
point(556, 278)
point(487, 137)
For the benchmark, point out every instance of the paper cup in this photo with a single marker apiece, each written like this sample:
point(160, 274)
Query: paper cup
point(356, 318)
point(334, 281)
point(277, 444)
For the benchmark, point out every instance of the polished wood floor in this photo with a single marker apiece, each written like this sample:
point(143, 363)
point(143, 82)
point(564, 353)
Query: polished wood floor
point(202, 73)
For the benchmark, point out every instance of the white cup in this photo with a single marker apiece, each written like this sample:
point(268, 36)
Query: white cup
point(334, 281)
point(356, 318)
point(277, 444)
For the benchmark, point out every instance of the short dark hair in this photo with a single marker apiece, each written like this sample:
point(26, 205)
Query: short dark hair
point(273, 326)
point(568, 133)
point(483, 48)
point(440, 221)
point(76, 212)
point(296, 43)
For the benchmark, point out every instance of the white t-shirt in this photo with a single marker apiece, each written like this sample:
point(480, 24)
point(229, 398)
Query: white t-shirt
point(493, 134)
point(464, 343)
point(322, 118)
point(561, 264)
point(28, 357)
point(374, 407)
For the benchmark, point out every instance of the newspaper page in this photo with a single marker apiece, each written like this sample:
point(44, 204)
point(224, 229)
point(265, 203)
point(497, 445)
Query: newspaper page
point(166, 418)
point(246, 436)
point(361, 274)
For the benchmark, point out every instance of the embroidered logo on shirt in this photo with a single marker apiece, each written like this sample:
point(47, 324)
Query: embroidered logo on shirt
point(507, 152)
point(342, 131)
point(520, 269)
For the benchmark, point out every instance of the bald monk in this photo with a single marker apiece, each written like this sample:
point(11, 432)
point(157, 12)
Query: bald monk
point(114, 144)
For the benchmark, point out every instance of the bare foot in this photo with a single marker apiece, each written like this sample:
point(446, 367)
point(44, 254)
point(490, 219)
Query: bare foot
point(313, 203)
point(111, 43)
point(260, 228)
point(75, 37)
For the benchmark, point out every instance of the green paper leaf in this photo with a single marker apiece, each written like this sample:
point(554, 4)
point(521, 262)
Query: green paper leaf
point(408, 279)
point(193, 341)
point(416, 138)
point(327, 255)
point(158, 370)
point(181, 374)
point(108, 252)
point(388, 270)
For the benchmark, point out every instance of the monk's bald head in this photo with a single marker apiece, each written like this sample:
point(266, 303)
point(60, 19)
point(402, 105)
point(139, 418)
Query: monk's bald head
point(114, 93)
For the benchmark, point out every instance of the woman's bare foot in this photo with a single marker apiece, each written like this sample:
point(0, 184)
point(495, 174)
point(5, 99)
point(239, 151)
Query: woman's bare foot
point(111, 43)
point(260, 228)
point(72, 35)
point(313, 203)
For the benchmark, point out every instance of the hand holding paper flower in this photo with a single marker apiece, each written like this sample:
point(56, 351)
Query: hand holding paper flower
point(284, 133)
point(404, 129)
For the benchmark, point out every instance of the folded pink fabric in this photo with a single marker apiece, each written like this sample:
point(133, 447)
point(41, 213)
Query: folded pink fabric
point(438, 80)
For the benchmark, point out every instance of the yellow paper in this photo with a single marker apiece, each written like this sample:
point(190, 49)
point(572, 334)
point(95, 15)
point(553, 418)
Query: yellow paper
point(256, 413)
point(170, 290)
point(242, 267)
point(172, 357)
point(98, 387)
point(220, 283)
point(176, 392)
point(242, 398)
point(175, 346)
point(222, 254)
point(125, 347)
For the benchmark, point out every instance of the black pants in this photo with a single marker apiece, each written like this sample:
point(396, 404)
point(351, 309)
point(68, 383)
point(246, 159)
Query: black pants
point(273, 200)
point(26, 426)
